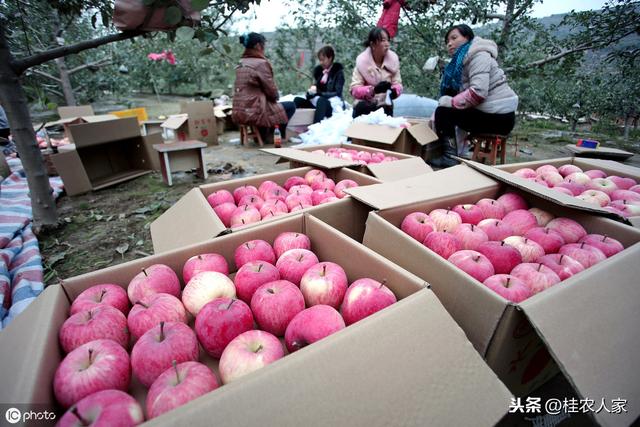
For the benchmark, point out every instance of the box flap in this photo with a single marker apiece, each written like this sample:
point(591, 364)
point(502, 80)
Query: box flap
point(600, 152)
point(197, 108)
point(422, 133)
point(100, 118)
point(315, 159)
point(612, 167)
point(174, 122)
point(604, 317)
point(400, 169)
point(302, 117)
point(100, 132)
point(190, 219)
point(71, 170)
point(409, 365)
point(377, 133)
point(75, 111)
point(457, 179)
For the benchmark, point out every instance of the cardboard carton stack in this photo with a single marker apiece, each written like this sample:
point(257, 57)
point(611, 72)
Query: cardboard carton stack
point(195, 121)
point(415, 140)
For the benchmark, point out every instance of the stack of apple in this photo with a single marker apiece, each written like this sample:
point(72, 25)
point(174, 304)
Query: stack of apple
point(514, 250)
point(248, 204)
point(284, 290)
point(614, 193)
point(359, 157)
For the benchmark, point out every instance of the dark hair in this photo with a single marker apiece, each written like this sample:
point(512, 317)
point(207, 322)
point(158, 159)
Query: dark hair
point(327, 51)
point(464, 30)
point(375, 35)
point(250, 40)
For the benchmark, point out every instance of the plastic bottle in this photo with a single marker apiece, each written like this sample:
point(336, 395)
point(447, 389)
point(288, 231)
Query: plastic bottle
point(277, 137)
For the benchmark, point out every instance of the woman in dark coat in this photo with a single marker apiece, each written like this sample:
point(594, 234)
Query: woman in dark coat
point(329, 81)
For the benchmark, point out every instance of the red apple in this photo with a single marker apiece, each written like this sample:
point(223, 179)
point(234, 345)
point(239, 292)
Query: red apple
point(628, 209)
point(521, 221)
point(566, 170)
point(247, 353)
point(491, 209)
point(101, 322)
point(252, 200)
point(254, 250)
point(473, 263)
point(563, 190)
point(274, 304)
point(496, 229)
point(595, 173)
point(276, 193)
point(445, 219)
point(313, 175)
point(290, 240)
point(294, 263)
point(204, 287)
point(529, 249)
point(511, 202)
point(311, 325)
point(104, 408)
point(319, 195)
point(220, 321)
point(343, 185)
point(627, 195)
point(470, 236)
point(542, 217)
point(563, 265)
point(327, 183)
point(293, 200)
point(301, 189)
point(204, 262)
point(151, 310)
point(365, 297)
point(225, 211)
point(537, 276)
point(272, 211)
point(245, 190)
point(470, 214)
point(585, 254)
point(92, 367)
point(579, 177)
point(324, 283)
point(623, 183)
point(266, 185)
point(546, 169)
point(569, 229)
point(251, 276)
point(606, 244)
point(603, 184)
point(595, 197)
point(155, 351)
point(178, 385)
point(244, 215)
point(525, 173)
point(293, 181)
point(574, 188)
point(443, 243)
point(551, 178)
point(417, 225)
point(502, 256)
point(549, 239)
point(154, 279)
point(219, 197)
point(105, 294)
point(509, 287)
point(635, 188)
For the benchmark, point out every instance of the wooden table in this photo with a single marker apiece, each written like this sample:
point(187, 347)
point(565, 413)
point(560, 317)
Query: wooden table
point(181, 156)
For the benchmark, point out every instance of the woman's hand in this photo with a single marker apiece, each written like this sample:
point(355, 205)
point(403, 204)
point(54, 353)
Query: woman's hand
point(445, 101)
point(382, 87)
point(312, 90)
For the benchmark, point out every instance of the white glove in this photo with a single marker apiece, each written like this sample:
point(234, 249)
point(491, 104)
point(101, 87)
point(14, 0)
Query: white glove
point(445, 101)
point(431, 64)
point(312, 90)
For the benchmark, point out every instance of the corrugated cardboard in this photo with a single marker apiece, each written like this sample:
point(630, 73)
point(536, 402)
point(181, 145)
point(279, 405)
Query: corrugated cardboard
point(75, 111)
point(302, 117)
point(600, 152)
point(408, 364)
point(409, 140)
point(513, 337)
point(407, 166)
point(106, 153)
point(192, 220)
point(196, 120)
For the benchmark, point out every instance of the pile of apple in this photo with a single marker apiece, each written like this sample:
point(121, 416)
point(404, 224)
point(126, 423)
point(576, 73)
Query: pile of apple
point(359, 157)
point(284, 290)
point(248, 204)
point(614, 193)
point(514, 250)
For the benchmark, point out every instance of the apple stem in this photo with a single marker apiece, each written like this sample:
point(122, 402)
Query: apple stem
point(300, 258)
point(297, 235)
point(231, 303)
point(271, 291)
point(259, 349)
point(142, 304)
point(271, 212)
point(175, 368)
point(581, 245)
point(384, 282)
point(75, 412)
point(301, 207)
point(145, 272)
point(90, 315)
point(539, 267)
point(560, 260)
point(90, 356)
point(508, 281)
point(247, 245)
point(476, 258)
point(161, 331)
point(604, 237)
point(260, 267)
point(104, 291)
point(502, 243)
point(324, 270)
point(242, 220)
point(200, 257)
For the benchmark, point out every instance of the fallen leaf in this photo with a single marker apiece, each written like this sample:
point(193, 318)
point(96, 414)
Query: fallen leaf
point(53, 259)
point(121, 249)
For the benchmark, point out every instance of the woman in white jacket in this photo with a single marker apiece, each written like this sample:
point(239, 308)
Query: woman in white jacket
point(474, 94)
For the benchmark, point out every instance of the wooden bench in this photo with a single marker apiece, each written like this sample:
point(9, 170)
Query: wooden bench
point(181, 156)
point(250, 132)
point(489, 147)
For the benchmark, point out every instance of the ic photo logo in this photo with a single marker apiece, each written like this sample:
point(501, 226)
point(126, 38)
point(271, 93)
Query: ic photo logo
point(13, 415)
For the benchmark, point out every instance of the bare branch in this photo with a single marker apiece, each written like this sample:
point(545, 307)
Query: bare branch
point(46, 75)
point(522, 9)
point(99, 63)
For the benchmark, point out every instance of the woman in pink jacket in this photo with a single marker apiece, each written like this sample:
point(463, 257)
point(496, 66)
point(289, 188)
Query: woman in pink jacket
point(376, 80)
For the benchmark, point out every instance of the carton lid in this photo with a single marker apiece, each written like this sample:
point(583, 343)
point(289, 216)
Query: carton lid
point(315, 159)
point(103, 131)
point(400, 169)
point(600, 152)
point(457, 179)
point(406, 366)
point(85, 119)
point(422, 133)
point(378, 133)
point(174, 228)
point(590, 331)
point(174, 122)
point(75, 111)
point(539, 190)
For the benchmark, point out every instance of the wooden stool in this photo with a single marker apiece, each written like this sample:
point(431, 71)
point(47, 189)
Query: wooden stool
point(489, 146)
point(180, 156)
point(249, 131)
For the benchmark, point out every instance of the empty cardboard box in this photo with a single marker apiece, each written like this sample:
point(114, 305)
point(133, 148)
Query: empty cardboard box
point(195, 121)
point(410, 140)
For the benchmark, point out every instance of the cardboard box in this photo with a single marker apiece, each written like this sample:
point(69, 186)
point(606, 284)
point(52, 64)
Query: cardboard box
point(407, 165)
point(195, 121)
point(302, 117)
point(409, 364)
point(586, 326)
point(75, 111)
point(411, 140)
point(75, 120)
point(599, 152)
point(106, 153)
point(192, 220)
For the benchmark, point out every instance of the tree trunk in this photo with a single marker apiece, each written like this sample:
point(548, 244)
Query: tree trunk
point(65, 82)
point(507, 23)
point(14, 101)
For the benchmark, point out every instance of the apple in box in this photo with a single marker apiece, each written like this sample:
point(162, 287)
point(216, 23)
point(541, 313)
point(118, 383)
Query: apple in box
point(509, 287)
point(328, 183)
point(473, 263)
point(251, 276)
point(572, 188)
point(470, 214)
point(549, 239)
point(152, 310)
point(603, 184)
point(155, 279)
point(626, 195)
point(546, 169)
point(496, 229)
point(585, 254)
point(606, 244)
point(245, 215)
point(365, 297)
point(247, 353)
point(311, 325)
point(595, 197)
point(245, 190)
point(529, 249)
point(324, 283)
point(563, 265)
point(274, 304)
point(92, 367)
point(318, 196)
point(502, 256)
point(290, 240)
point(491, 208)
point(294, 263)
point(105, 294)
point(294, 181)
point(254, 250)
point(104, 408)
point(542, 217)
point(294, 200)
point(443, 243)
point(252, 200)
point(445, 219)
point(595, 173)
point(225, 211)
point(276, 193)
point(525, 173)
point(220, 321)
point(343, 185)
point(301, 189)
point(470, 236)
point(569, 229)
point(220, 197)
point(204, 262)
point(520, 220)
point(579, 177)
point(622, 183)
point(204, 287)
point(101, 322)
point(178, 385)
point(566, 170)
point(511, 202)
point(265, 186)
point(417, 225)
point(537, 276)
point(313, 175)
point(155, 351)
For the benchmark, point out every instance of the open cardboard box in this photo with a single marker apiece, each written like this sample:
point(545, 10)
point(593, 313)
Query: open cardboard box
point(599, 153)
point(106, 153)
point(192, 220)
point(409, 364)
point(407, 165)
point(196, 120)
point(410, 140)
point(588, 323)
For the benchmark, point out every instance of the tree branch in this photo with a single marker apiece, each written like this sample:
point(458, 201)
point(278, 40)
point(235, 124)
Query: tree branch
point(522, 9)
point(20, 65)
point(99, 63)
point(46, 75)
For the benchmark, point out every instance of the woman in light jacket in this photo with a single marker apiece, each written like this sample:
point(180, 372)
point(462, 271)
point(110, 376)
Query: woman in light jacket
point(376, 80)
point(474, 93)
